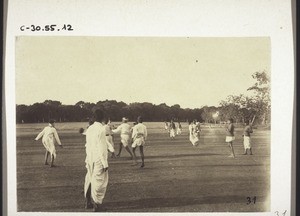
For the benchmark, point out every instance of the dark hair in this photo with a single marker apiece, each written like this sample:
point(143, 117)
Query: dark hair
point(98, 115)
point(51, 121)
point(91, 121)
point(139, 119)
point(105, 120)
point(231, 120)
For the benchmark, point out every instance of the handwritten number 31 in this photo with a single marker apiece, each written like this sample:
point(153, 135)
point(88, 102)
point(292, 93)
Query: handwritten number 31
point(251, 200)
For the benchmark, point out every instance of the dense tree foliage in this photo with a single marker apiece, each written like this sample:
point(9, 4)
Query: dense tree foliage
point(82, 111)
point(239, 107)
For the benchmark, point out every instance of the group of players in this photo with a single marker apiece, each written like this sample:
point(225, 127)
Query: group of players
point(172, 129)
point(194, 134)
point(99, 141)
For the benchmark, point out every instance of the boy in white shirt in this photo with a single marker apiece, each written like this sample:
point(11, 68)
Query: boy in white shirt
point(139, 136)
point(124, 129)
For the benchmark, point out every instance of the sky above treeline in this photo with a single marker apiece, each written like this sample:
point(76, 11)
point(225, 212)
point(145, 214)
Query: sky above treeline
point(191, 72)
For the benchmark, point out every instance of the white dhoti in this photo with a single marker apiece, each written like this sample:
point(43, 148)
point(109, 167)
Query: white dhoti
point(139, 141)
point(194, 138)
point(48, 143)
point(247, 142)
point(172, 133)
point(178, 131)
point(229, 138)
point(125, 139)
point(97, 178)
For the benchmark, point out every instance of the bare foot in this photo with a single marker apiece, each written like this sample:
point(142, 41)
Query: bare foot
point(142, 165)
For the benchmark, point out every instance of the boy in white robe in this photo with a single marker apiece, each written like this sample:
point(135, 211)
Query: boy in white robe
point(172, 130)
point(193, 133)
point(179, 129)
point(96, 178)
point(124, 130)
point(50, 136)
point(139, 136)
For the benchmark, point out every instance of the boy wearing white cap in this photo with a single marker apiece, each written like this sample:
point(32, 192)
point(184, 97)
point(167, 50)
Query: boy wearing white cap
point(124, 130)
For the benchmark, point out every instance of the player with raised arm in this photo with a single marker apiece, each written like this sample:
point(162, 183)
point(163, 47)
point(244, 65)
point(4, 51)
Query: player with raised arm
point(124, 130)
point(50, 137)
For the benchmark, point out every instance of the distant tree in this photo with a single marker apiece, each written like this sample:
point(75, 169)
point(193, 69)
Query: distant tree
point(207, 113)
point(261, 102)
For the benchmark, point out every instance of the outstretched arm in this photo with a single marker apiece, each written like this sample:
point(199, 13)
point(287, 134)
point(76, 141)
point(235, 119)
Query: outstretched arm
point(117, 130)
point(40, 135)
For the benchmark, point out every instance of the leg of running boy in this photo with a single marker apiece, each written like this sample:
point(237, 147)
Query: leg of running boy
point(231, 148)
point(142, 155)
point(134, 155)
point(46, 157)
point(120, 149)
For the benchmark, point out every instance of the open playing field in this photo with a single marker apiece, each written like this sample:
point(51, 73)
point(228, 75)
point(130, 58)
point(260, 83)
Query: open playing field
point(177, 177)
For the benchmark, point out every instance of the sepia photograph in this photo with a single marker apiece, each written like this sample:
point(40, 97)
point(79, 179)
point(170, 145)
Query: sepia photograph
point(148, 107)
point(143, 124)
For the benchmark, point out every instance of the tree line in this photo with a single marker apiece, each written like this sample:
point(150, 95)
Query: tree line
point(239, 107)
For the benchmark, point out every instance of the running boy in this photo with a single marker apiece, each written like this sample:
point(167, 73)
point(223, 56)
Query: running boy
point(49, 135)
point(230, 136)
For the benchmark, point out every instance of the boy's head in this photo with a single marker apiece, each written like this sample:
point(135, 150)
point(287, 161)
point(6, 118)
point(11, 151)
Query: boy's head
point(51, 121)
point(140, 119)
point(230, 121)
point(99, 115)
point(91, 121)
point(105, 120)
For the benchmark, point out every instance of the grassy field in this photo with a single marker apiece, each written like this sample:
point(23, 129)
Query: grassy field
point(177, 177)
